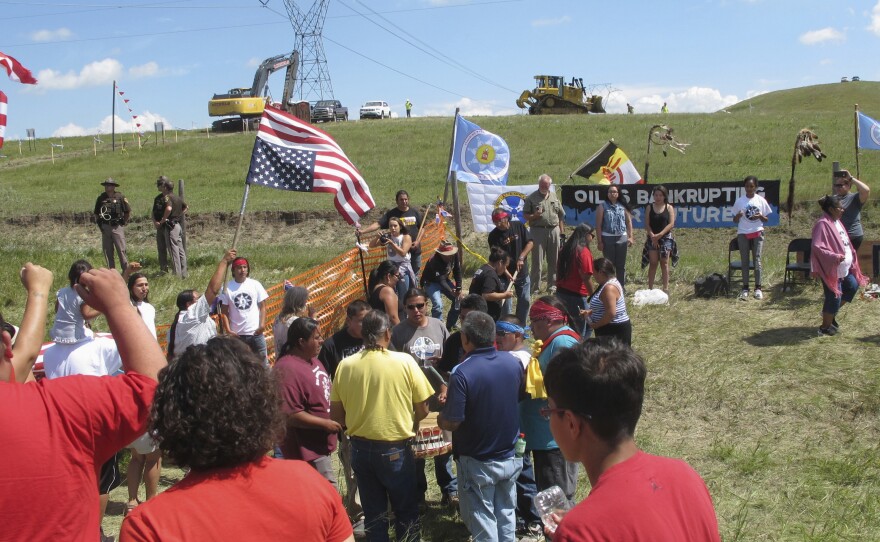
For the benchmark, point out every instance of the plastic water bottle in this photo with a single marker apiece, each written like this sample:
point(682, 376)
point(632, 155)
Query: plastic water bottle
point(550, 502)
point(520, 447)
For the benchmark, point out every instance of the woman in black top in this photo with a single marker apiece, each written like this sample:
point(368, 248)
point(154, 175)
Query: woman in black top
point(659, 244)
point(383, 298)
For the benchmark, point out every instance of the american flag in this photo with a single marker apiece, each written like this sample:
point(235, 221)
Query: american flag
point(290, 154)
point(16, 71)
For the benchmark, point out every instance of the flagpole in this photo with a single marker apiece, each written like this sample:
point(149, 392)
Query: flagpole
point(247, 189)
point(357, 235)
point(857, 134)
point(648, 154)
point(790, 202)
point(457, 217)
point(113, 118)
point(451, 152)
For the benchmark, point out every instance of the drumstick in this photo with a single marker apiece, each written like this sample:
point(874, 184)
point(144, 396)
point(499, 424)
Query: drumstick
point(512, 280)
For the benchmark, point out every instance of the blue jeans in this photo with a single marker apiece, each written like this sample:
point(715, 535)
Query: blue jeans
point(526, 489)
point(257, 344)
point(848, 288)
point(446, 480)
point(435, 294)
point(386, 472)
point(488, 497)
point(523, 289)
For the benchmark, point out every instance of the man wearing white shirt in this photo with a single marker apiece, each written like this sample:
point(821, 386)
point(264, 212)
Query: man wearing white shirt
point(244, 304)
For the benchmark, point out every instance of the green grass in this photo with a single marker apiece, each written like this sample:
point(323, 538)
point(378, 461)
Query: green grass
point(782, 425)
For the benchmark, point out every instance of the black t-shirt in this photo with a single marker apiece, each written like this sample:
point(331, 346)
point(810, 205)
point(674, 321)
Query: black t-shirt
point(453, 353)
point(437, 270)
point(411, 218)
point(486, 281)
point(338, 347)
point(513, 241)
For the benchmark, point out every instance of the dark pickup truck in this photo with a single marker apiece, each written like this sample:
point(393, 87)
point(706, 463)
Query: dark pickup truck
point(329, 110)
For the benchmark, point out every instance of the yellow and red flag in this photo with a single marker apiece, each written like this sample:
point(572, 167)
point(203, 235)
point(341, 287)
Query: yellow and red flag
point(610, 165)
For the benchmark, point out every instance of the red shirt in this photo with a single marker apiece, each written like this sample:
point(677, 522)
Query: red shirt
point(646, 497)
point(583, 263)
point(272, 499)
point(54, 436)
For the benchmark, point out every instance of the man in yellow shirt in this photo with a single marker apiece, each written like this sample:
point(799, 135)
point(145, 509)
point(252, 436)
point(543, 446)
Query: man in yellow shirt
point(379, 396)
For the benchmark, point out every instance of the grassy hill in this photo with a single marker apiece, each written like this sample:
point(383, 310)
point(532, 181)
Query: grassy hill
point(781, 424)
point(829, 98)
point(753, 137)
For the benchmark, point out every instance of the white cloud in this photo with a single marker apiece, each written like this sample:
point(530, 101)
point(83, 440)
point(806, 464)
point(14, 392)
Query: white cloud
point(94, 74)
point(254, 62)
point(60, 34)
point(822, 35)
point(648, 100)
point(123, 126)
point(70, 130)
point(469, 107)
point(144, 70)
point(875, 20)
point(565, 19)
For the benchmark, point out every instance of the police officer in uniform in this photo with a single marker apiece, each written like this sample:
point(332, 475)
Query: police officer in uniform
point(112, 212)
point(168, 211)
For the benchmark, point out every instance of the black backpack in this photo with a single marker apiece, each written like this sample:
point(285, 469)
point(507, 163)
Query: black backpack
point(711, 286)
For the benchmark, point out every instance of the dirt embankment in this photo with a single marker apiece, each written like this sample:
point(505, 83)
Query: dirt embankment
point(318, 228)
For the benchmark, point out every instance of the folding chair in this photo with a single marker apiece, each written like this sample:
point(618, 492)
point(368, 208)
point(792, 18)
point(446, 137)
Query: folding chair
point(735, 266)
point(800, 264)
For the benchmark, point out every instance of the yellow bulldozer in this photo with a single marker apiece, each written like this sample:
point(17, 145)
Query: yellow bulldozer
point(553, 96)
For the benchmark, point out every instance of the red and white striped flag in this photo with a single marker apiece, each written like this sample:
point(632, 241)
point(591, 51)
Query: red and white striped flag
point(16, 71)
point(2, 117)
point(290, 154)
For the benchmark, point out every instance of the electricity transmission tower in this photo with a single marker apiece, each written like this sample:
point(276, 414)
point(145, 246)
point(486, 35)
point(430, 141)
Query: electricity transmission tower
point(313, 77)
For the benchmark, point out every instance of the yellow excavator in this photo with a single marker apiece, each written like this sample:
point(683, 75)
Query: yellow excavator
point(552, 96)
point(248, 103)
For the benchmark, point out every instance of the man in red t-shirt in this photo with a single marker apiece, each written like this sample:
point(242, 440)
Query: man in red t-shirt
point(55, 434)
point(595, 394)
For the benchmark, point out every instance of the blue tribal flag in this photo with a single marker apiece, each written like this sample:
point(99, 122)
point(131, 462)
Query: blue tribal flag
point(478, 156)
point(869, 133)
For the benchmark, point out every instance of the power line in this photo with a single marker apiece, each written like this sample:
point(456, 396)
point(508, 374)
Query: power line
point(442, 57)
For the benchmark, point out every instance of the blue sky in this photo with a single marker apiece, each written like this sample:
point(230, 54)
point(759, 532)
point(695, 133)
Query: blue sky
point(169, 57)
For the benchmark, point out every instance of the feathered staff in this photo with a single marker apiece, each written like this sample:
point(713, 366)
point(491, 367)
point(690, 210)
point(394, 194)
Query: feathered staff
point(807, 143)
point(660, 134)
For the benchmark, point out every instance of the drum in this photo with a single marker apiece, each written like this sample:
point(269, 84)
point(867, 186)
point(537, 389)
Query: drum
point(430, 440)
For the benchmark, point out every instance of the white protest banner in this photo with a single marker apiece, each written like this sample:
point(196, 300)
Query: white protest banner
point(484, 198)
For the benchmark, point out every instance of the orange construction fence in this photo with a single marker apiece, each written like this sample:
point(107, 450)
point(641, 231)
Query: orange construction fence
point(336, 283)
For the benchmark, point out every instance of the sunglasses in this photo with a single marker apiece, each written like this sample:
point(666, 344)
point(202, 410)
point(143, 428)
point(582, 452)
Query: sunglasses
point(415, 306)
point(502, 333)
point(839, 185)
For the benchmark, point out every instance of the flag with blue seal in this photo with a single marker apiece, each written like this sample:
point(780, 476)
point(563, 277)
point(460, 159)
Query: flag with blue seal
point(478, 156)
point(869, 133)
